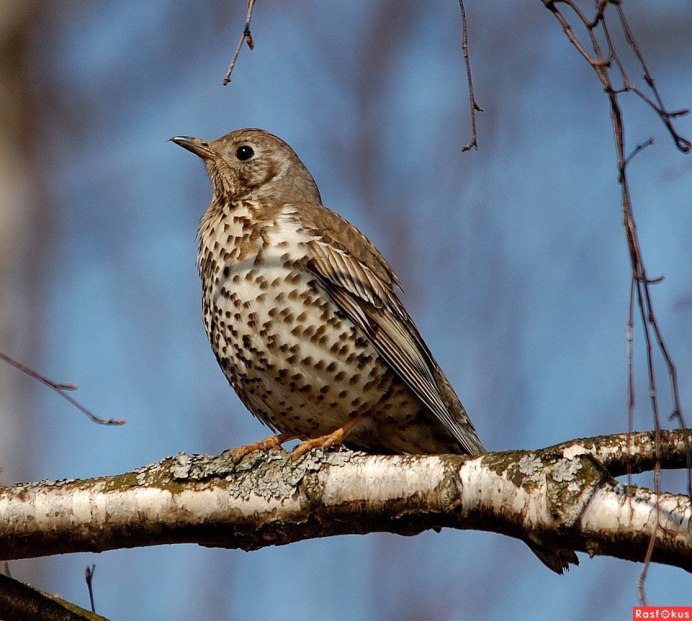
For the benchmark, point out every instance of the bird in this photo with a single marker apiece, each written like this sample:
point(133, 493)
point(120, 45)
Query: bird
point(304, 317)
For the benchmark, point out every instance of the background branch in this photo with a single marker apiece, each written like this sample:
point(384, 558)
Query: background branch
point(19, 601)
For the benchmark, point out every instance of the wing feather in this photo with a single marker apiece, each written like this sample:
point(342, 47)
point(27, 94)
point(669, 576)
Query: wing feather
point(365, 291)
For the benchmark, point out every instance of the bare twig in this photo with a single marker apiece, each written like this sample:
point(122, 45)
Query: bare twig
point(246, 37)
point(89, 576)
point(473, 104)
point(60, 389)
point(681, 143)
point(640, 147)
point(630, 377)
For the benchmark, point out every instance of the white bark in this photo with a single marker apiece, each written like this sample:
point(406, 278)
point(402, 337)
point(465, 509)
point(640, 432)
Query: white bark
point(559, 495)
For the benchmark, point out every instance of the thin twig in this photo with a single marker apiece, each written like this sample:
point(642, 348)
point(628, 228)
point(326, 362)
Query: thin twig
point(550, 5)
point(641, 581)
point(89, 576)
point(638, 149)
point(246, 37)
point(630, 376)
point(473, 104)
point(60, 389)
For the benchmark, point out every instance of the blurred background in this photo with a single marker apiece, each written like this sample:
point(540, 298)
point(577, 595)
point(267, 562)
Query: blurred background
point(513, 260)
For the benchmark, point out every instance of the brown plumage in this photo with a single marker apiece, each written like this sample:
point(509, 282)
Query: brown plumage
point(303, 315)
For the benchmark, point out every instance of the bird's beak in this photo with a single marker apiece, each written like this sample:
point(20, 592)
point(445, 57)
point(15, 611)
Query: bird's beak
point(197, 146)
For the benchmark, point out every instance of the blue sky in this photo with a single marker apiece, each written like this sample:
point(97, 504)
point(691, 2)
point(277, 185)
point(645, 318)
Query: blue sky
point(513, 260)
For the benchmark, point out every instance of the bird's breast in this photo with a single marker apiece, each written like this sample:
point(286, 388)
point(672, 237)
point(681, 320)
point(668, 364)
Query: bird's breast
point(280, 339)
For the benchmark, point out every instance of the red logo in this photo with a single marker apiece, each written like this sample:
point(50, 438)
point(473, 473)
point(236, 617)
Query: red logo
point(667, 613)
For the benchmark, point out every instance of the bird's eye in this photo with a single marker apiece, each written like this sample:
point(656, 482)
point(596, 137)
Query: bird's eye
point(244, 152)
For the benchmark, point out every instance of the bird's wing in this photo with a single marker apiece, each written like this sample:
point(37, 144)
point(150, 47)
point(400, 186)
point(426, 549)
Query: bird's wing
point(362, 284)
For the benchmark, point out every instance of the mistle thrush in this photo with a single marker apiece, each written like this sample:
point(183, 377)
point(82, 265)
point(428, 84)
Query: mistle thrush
point(304, 318)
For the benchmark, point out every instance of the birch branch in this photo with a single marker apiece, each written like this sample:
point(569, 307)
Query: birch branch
point(561, 494)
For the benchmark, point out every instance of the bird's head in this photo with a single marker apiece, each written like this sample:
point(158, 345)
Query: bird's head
point(253, 164)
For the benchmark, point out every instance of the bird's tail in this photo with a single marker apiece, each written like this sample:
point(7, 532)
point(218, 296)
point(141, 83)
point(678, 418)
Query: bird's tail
point(553, 557)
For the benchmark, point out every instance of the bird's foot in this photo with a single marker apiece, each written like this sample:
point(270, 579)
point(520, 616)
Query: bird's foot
point(268, 443)
point(336, 438)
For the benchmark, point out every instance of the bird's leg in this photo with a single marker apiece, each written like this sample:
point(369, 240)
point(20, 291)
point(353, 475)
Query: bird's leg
point(336, 438)
point(270, 442)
